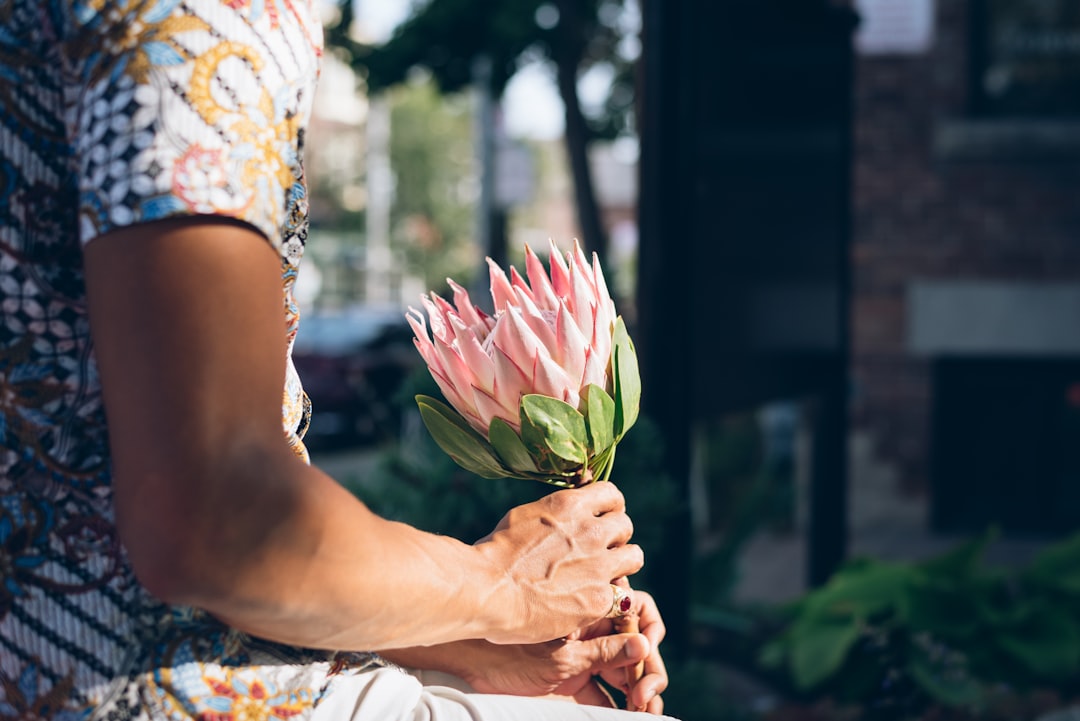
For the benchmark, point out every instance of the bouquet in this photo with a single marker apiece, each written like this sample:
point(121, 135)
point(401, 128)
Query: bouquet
point(545, 388)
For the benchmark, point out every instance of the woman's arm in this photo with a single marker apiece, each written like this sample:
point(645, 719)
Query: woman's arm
point(216, 512)
point(563, 667)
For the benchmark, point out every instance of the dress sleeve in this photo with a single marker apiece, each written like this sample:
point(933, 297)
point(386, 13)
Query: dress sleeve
point(188, 108)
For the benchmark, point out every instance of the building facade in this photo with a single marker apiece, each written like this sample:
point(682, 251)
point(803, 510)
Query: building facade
point(966, 256)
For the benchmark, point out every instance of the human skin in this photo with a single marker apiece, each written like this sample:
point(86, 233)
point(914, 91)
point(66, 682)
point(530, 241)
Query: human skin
point(563, 667)
point(215, 511)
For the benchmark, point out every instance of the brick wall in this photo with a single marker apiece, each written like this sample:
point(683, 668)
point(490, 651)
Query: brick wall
point(920, 214)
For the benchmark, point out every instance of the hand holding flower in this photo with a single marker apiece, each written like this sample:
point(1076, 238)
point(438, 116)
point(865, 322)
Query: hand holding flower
point(545, 389)
point(561, 553)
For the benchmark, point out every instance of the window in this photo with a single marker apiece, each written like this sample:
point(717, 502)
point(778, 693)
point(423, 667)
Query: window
point(1026, 58)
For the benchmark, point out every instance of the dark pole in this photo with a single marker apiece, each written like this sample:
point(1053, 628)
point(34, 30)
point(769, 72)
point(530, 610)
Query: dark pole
point(665, 345)
point(568, 53)
point(828, 523)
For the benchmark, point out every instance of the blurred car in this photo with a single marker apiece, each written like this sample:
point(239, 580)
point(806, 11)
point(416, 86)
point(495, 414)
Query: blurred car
point(352, 364)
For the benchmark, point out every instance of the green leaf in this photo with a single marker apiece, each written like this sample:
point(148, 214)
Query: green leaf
point(603, 462)
point(1058, 566)
point(626, 379)
point(509, 447)
point(551, 427)
point(772, 655)
point(949, 686)
point(599, 417)
point(460, 441)
point(1047, 644)
point(818, 650)
point(962, 561)
point(938, 609)
point(864, 590)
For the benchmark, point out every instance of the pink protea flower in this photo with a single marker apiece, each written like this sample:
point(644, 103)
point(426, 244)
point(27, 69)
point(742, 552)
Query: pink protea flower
point(551, 335)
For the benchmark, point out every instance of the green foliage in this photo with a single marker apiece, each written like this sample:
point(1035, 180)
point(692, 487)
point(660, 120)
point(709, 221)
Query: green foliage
point(445, 37)
point(748, 493)
point(431, 151)
point(449, 38)
point(626, 379)
point(601, 418)
point(417, 483)
point(463, 444)
point(898, 638)
point(553, 431)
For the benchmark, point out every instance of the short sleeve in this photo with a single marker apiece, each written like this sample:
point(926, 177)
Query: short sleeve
point(191, 108)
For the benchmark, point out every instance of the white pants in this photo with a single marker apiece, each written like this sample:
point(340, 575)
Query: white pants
point(390, 694)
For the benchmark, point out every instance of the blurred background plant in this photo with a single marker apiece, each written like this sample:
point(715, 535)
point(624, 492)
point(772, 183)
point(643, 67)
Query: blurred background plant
point(787, 173)
point(948, 638)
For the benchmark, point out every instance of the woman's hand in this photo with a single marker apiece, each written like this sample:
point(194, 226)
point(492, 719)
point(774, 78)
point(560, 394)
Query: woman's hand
point(215, 511)
point(644, 695)
point(560, 555)
point(565, 667)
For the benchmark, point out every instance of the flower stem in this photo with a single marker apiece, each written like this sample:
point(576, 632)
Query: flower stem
point(630, 624)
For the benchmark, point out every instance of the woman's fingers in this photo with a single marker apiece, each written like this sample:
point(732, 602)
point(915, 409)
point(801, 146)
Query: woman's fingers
point(561, 552)
point(628, 560)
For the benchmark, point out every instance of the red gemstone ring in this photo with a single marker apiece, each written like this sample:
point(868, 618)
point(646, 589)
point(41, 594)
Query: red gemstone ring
point(621, 602)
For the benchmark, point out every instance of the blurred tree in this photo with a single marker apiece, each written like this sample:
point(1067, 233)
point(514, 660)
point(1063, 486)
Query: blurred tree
point(448, 37)
point(431, 153)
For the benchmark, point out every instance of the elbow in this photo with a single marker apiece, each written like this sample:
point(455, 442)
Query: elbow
point(197, 536)
point(166, 557)
point(172, 534)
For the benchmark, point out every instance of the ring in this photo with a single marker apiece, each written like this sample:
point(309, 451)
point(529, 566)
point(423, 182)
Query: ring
point(621, 602)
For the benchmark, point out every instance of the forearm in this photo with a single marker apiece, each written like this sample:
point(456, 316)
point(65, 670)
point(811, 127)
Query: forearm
point(285, 553)
point(457, 658)
point(214, 510)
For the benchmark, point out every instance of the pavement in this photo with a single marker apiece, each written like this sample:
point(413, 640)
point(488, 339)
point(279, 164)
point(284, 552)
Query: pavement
point(884, 523)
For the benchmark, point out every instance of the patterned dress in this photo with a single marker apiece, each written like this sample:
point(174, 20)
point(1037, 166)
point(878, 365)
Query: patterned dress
point(115, 112)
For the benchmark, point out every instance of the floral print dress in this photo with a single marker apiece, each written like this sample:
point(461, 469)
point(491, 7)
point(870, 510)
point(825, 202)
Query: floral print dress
point(116, 112)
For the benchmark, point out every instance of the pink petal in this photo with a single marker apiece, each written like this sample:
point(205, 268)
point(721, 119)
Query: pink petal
point(549, 379)
point(515, 338)
point(501, 290)
point(490, 408)
point(416, 321)
point(582, 265)
point(427, 352)
point(436, 319)
point(537, 323)
point(560, 274)
point(444, 307)
point(478, 361)
point(510, 381)
point(584, 302)
point(605, 308)
point(465, 307)
point(465, 408)
point(543, 293)
point(601, 342)
point(570, 344)
point(422, 340)
point(457, 372)
point(518, 282)
point(595, 371)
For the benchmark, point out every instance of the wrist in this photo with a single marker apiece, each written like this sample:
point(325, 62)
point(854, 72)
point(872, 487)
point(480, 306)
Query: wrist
point(459, 658)
point(502, 598)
